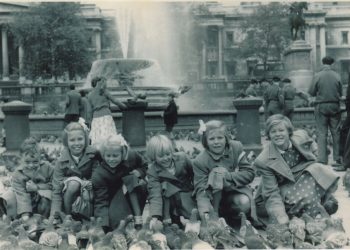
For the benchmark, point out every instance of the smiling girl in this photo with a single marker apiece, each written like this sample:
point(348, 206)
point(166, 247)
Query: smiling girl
point(118, 183)
point(73, 169)
point(292, 182)
point(222, 174)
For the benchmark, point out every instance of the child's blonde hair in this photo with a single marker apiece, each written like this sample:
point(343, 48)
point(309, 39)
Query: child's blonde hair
point(211, 125)
point(72, 127)
point(117, 141)
point(157, 145)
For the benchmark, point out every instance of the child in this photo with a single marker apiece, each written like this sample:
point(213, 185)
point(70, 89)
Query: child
point(222, 173)
point(31, 182)
point(73, 169)
point(170, 180)
point(170, 113)
point(118, 183)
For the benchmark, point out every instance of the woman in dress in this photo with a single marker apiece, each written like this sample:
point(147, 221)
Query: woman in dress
point(102, 125)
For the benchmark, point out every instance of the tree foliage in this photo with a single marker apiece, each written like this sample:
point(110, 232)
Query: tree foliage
point(55, 39)
point(267, 33)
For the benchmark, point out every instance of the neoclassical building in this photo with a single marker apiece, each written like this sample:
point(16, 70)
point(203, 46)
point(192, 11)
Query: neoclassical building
point(99, 22)
point(327, 31)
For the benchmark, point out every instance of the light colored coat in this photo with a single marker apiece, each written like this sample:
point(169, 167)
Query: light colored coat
point(278, 177)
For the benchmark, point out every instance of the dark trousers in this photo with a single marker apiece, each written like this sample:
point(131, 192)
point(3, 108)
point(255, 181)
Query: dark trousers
point(343, 135)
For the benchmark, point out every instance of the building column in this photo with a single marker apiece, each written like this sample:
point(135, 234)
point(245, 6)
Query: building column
point(22, 78)
point(312, 40)
point(220, 52)
point(322, 41)
point(204, 60)
point(98, 43)
point(5, 54)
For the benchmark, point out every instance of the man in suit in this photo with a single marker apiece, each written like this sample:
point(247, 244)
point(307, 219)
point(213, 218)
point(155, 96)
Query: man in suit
point(327, 89)
point(73, 105)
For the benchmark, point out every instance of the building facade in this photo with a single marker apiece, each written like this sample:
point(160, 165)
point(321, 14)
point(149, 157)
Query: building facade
point(102, 40)
point(327, 31)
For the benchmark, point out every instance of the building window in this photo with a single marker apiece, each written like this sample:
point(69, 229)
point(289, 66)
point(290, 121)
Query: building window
point(212, 36)
point(327, 38)
point(229, 38)
point(344, 36)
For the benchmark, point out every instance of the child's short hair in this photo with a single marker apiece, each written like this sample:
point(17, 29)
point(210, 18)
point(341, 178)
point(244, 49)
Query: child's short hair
point(211, 125)
point(115, 140)
point(158, 144)
point(71, 127)
point(275, 120)
point(30, 147)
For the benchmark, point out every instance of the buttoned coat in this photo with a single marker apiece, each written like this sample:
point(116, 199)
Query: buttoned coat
point(42, 177)
point(162, 183)
point(234, 160)
point(67, 167)
point(170, 114)
point(278, 177)
point(107, 181)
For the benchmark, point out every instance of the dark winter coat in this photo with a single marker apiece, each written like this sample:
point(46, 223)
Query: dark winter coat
point(170, 113)
point(108, 181)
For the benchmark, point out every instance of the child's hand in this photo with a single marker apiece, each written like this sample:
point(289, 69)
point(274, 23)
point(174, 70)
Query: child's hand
point(136, 173)
point(31, 186)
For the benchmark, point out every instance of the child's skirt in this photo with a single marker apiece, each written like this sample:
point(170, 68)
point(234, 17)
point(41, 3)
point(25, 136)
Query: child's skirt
point(101, 129)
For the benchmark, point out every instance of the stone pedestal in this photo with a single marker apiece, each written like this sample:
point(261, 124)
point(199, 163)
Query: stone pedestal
point(16, 123)
point(297, 62)
point(247, 122)
point(133, 124)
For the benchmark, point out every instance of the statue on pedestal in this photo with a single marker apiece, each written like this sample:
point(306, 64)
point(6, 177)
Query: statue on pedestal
point(296, 19)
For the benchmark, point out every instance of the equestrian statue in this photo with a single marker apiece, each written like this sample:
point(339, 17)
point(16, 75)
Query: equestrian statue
point(296, 19)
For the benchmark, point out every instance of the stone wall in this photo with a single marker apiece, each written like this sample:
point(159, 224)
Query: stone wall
point(51, 124)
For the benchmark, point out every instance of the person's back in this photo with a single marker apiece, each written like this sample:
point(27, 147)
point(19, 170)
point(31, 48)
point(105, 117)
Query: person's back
point(289, 93)
point(327, 89)
point(327, 86)
point(99, 103)
point(272, 97)
point(73, 105)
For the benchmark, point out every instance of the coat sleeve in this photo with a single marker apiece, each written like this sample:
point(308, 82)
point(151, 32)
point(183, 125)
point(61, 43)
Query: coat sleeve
point(48, 172)
point(101, 203)
point(57, 186)
point(154, 194)
point(140, 164)
point(245, 173)
point(24, 201)
point(270, 191)
point(200, 187)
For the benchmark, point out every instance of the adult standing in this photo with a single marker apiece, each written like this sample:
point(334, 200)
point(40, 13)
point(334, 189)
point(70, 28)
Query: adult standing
point(273, 97)
point(73, 105)
point(327, 88)
point(170, 113)
point(252, 88)
point(102, 125)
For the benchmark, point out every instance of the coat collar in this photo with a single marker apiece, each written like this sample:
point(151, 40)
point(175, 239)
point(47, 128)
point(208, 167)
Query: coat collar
point(215, 157)
point(162, 172)
point(89, 153)
point(120, 167)
point(277, 163)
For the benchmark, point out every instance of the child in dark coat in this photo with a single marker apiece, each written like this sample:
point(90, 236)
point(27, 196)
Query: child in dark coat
point(118, 183)
point(31, 182)
point(170, 180)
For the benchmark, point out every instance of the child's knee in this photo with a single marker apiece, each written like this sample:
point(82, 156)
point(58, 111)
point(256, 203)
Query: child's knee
point(73, 187)
point(241, 203)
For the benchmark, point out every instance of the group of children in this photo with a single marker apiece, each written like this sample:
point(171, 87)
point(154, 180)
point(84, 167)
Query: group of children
point(119, 180)
point(115, 181)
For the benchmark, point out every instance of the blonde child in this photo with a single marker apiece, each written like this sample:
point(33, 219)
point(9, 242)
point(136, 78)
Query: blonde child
point(31, 182)
point(118, 183)
point(170, 180)
point(73, 169)
point(222, 173)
